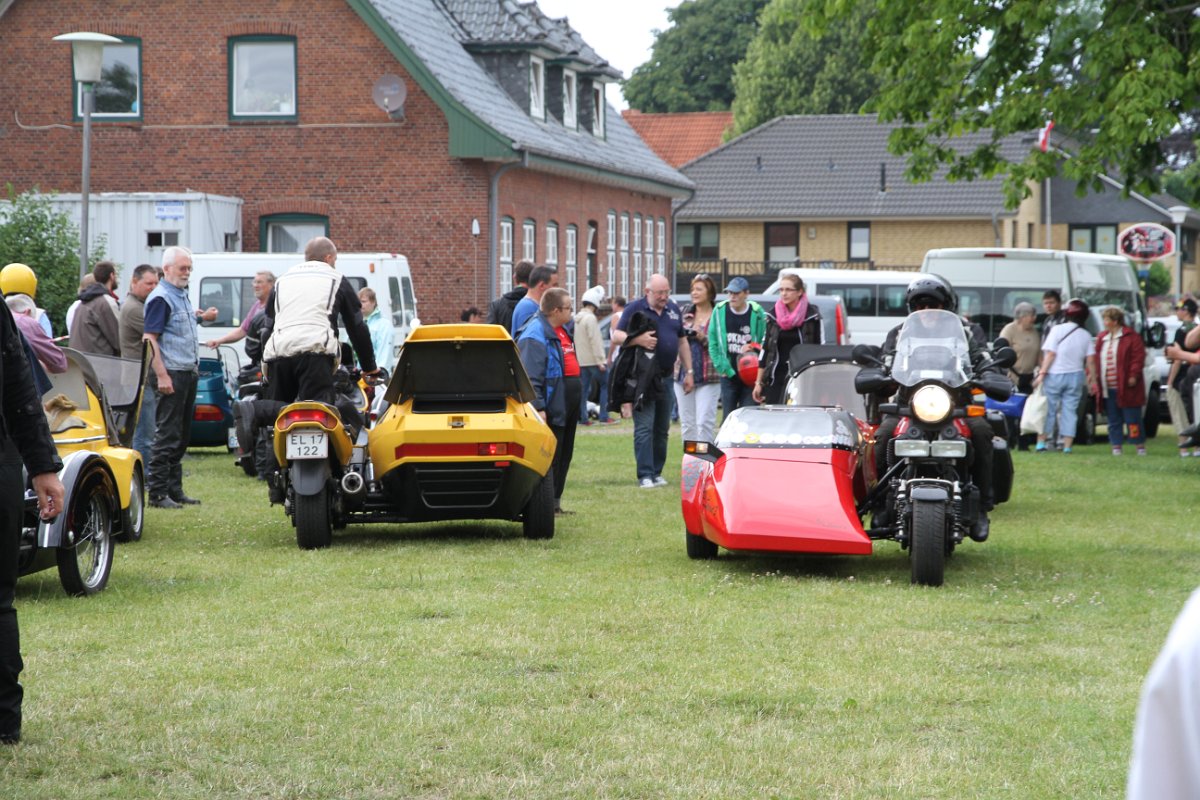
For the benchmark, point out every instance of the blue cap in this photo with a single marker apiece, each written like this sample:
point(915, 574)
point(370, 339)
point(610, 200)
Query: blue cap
point(738, 284)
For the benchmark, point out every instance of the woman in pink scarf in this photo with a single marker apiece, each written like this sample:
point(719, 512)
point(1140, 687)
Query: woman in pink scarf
point(792, 322)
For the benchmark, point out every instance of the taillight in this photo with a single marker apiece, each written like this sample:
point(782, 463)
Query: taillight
point(207, 413)
point(317, 415)
point(841, 324)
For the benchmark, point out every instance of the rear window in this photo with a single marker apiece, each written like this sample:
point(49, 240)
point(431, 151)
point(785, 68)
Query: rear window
point(231, 297)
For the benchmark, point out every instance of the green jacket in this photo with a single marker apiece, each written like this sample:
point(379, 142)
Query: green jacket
point(718, 345)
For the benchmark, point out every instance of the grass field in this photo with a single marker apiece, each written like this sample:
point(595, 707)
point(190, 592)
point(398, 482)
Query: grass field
point(462, 661)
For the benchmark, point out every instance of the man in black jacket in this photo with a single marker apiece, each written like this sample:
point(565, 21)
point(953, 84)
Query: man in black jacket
point(25, 438)
point(500, 311)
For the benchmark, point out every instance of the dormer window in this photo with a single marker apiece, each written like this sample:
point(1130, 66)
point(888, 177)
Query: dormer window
point(570, 93)
point(599, 106)
point(537, 88)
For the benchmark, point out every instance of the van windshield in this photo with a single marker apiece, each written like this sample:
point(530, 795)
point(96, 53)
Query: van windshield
point(1104, 284)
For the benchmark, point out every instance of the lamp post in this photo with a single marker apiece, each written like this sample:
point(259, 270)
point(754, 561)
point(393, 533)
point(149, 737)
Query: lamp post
point(87, 51)
point(1178, 216)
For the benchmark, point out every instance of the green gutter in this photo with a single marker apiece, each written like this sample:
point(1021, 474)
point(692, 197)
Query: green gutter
point(470, 137)
point(598, 175)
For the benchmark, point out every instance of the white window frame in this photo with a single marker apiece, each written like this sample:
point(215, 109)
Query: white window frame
point(570, 99)
point(529, 241)
point(537, 88)
point(648, 241)
point(600, 107)
point(637, 249)
point(552, 244)
point(662, 245)
point(611, 253)
point(623, 255)
point(572, 262)
point(112, 54)
point(506, 254)
point(851, 227)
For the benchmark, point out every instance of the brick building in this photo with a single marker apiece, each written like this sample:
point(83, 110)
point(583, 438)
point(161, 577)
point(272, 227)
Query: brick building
point(824, 190)
point(504, 129)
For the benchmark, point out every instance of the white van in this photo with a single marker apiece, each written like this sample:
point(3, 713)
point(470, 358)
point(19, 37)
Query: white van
point(873, 299)
point(990, 281)
point(224, 281)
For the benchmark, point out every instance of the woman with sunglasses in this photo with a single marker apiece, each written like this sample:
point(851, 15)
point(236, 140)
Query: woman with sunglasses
point(698, 408)
point(792, 322)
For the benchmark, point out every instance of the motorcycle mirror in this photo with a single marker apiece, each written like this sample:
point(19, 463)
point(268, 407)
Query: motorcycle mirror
point(867, 355)
point(1000, 343)
point(1004, 357)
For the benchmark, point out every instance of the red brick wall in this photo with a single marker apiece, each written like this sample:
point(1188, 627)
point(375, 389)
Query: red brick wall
point(384, 185)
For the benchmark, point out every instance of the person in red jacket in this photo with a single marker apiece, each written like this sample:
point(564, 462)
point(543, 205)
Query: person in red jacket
point(1120, 357)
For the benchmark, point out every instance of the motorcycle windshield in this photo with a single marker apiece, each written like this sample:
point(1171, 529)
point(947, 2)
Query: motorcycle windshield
point(932, 346)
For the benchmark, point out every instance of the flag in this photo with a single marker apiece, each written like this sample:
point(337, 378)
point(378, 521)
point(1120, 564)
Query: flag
point(1044, 136)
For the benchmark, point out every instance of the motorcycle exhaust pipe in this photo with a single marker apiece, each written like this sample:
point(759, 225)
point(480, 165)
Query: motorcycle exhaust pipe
point(352, 483)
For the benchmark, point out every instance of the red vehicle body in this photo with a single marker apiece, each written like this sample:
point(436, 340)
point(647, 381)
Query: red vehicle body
point(785, 479)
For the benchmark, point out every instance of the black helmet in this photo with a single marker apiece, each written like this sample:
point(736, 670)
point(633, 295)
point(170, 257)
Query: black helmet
point(1076, 311)
point(930, 287)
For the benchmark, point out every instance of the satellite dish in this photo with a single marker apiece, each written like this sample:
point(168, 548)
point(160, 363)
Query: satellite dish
point(389, 94)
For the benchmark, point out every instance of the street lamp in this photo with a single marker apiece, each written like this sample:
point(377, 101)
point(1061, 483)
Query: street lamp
point(1179, 216)
point(87, 50)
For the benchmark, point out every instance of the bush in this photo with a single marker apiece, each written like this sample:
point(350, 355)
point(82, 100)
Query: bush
point(34, 233)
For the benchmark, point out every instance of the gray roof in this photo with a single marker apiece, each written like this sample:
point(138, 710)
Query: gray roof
point(829, 167)
point(436, 36)
point(511, 24)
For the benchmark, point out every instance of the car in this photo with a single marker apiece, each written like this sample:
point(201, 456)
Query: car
point(92, 410)
point(735, 491)
point(212, 414)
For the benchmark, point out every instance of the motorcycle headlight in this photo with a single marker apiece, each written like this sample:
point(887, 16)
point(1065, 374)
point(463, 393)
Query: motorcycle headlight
point(932, 404)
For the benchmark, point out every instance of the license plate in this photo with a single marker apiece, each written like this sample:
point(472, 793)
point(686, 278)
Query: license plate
point(307, 444)
point(232, 440)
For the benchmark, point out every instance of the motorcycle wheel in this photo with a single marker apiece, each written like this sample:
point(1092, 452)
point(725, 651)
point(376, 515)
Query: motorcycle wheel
point(537, 520)
point(84, 566)
point(245, 438)
point(313, 527)
point(698, 547)
point(927, 550)
point(1151, 419)
point(133, 519)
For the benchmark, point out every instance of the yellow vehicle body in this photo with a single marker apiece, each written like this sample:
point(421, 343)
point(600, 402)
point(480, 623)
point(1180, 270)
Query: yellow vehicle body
point(460, 438)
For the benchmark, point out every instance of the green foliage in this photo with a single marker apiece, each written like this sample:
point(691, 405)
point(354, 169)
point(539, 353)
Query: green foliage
point(1184, 183)
point(1158, 281)
point(789, 70)
point(691, 66)
point(33, 233)
point(1116, 76)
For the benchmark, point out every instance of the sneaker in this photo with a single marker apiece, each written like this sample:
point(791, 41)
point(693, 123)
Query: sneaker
point(647, 483)
point(1066, 450)
point(1196, 453)
point(1183, 453)
point(1116, 451)
point(1141, 451)
point(589, 422)
point(184, 500)
point(609, 421)
point(659, 480)
point(1041, 447)
point(163, 502)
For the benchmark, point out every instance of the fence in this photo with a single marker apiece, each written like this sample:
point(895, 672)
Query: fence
point(759, 274)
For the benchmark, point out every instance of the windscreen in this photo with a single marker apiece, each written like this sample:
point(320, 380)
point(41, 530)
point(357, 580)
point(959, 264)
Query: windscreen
point(787, 426)
point(932, 346)
point(827, 385)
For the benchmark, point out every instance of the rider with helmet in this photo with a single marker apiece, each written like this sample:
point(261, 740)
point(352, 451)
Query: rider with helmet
point(928, 291)
point(17, 278)
point(1068, 363)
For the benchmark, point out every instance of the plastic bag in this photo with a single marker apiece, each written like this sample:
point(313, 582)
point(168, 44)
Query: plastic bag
point(1033, 416)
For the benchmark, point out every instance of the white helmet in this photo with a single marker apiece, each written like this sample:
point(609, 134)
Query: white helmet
point(594, 295)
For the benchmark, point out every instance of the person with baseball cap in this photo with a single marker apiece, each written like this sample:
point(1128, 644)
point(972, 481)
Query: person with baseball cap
point(738, 325)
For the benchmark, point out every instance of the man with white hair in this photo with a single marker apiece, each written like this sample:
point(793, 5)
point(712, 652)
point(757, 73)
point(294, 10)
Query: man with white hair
point(173, 334)
point(664, 335)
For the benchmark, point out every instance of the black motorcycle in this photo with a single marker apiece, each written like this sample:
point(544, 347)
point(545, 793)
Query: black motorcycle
point(926, 499)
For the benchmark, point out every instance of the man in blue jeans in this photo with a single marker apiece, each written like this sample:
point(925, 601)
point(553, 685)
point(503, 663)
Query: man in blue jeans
point(652, 417)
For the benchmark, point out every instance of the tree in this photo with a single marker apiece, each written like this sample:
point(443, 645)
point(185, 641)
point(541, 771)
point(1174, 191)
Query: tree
point(1158, 280)
point(33, 233)
point(1184, 183)
point(788, 70)
point(691, 66)
point(1116, 76)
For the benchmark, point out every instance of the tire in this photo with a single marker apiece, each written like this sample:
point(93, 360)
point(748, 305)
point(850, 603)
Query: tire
point(133, 519)
point(242, 423)
point(698, 547)
point(313, 528)
point(85, 564)
point(1085, 428)
point(537, 520)
point(927, 549)
point(1151, 418)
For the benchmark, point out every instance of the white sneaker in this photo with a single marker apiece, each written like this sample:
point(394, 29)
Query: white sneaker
point(659, 480)
point(647, 483)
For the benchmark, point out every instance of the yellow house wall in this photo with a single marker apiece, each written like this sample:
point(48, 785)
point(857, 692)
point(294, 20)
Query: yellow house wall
point(742, 241)
point(903, 244)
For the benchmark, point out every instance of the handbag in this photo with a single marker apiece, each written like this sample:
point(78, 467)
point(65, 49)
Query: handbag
point(1033, 416)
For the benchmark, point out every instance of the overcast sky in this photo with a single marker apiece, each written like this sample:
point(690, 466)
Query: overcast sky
point(621, 31)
